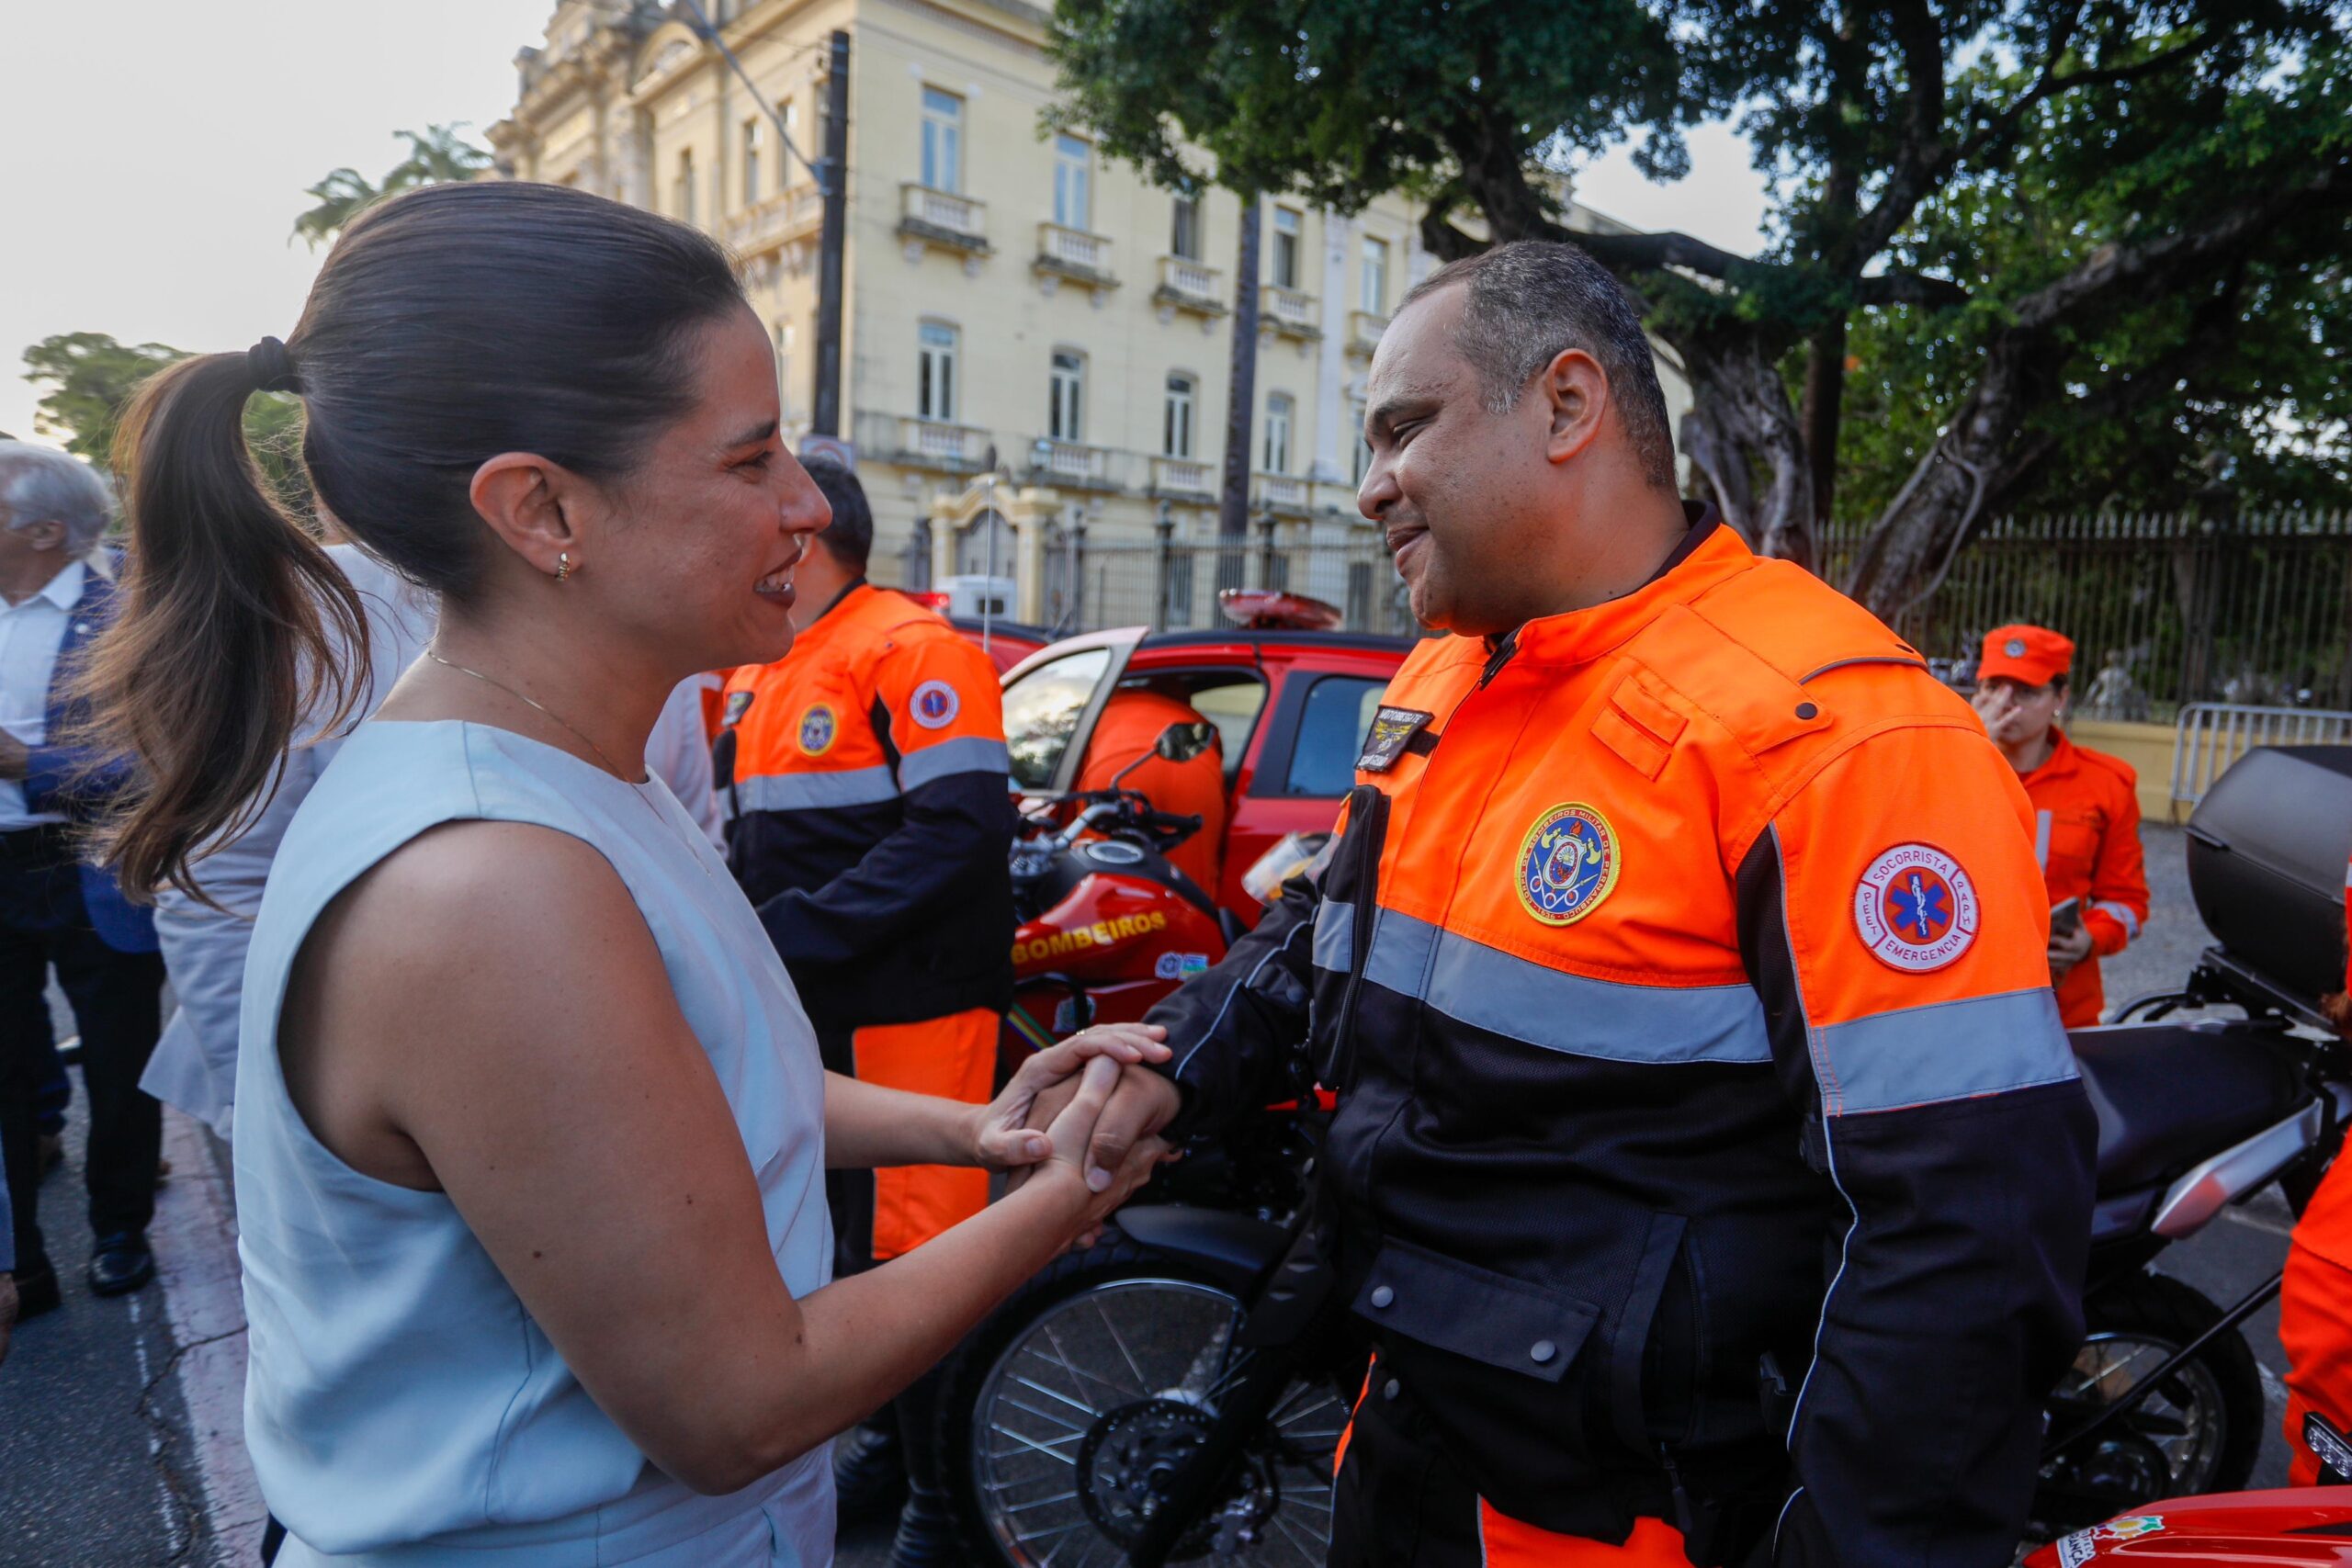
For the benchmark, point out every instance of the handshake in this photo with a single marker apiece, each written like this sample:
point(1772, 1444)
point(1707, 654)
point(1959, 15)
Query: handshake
point(1089, 1109)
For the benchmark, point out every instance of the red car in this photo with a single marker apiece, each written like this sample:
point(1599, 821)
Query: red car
point(1291, 708)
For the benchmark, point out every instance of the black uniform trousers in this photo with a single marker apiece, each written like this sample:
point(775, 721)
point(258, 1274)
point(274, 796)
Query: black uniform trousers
point(117, 1004)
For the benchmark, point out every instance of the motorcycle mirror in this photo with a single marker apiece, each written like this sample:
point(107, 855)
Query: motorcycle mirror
point(1183, 742)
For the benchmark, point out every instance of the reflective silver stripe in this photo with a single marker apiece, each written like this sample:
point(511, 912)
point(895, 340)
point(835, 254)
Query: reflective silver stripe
point(1956, 1050)
point(1335, 936)
point(967, 754)
point(2122, 916)
point(2041, 840)
point(1538, 1005)
point(798, 792)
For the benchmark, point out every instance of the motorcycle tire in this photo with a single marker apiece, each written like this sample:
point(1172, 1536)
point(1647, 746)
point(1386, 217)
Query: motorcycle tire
point(1099, 1375)
point(2200, 1433)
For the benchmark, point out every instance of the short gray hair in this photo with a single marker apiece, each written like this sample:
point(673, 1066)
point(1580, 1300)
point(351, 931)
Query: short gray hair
point(41, 484)
point(1531, 301)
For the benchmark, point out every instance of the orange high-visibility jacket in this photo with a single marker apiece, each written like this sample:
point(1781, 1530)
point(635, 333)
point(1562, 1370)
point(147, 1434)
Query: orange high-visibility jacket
point(2086, 836)
point(1680, 972)
point(867, 789)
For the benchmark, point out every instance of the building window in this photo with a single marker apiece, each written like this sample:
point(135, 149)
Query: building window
point(1364, 448)
point(1073, 202)
point(936, 372)
point(681, 193)
point(943, 141)
point(1067, 417)
point(1184, 229)
point(1286, 247)
point(1278, 412)
point(1374, 288)
point(1176, 435)
point(754, 136)
point(783, 343)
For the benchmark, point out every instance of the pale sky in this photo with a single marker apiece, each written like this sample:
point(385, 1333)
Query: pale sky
point(156, 152)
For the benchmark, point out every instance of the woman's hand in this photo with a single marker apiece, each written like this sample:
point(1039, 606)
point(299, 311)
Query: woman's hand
point(1070, 1137)
point(1001, 1138)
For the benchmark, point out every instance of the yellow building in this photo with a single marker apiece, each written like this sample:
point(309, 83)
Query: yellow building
point(1002, 289)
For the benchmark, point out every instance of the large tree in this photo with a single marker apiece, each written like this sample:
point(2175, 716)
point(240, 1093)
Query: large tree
point(1863, 114)
point(439, 154)
point(90, 380)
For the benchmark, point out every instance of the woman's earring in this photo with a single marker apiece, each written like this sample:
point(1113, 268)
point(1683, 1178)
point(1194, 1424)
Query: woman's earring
point(562, 565)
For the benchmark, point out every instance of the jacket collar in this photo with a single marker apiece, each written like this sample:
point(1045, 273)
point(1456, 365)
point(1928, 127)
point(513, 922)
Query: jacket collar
point(2063, 759)
point(1711, 553)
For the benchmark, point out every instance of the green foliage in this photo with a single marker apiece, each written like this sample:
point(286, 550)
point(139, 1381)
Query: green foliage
point(1345, 100)
point(2222, 386)
point(439, 154)
point(91, 379)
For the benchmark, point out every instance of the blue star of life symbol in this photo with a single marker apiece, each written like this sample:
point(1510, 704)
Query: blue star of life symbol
point(1920, 906)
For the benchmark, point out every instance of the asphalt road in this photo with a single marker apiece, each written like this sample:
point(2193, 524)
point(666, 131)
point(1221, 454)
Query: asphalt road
point(104, 1461)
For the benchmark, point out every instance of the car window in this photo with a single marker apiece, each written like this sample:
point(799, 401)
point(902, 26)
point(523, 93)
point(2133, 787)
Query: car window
point(1232, 705)
point(1042, 710)
point(1331, 728)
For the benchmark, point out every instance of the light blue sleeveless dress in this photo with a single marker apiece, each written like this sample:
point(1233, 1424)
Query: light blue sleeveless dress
point(401, 1407)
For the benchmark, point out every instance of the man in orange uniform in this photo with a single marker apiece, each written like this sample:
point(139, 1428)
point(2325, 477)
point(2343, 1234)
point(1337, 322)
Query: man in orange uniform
point(1131, 724)
point(2315, 1302)
point(868, 787)
point(2086, 810)
point(1680, 972)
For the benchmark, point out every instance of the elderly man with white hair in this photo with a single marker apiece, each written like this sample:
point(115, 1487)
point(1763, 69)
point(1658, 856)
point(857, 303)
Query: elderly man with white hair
point(57, 911)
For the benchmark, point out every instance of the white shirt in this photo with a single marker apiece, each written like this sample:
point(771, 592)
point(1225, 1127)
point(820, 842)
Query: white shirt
point(30, 636)
point(195, 1064)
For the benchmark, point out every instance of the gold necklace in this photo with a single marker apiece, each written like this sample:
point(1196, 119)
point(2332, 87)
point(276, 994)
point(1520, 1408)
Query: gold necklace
point(615, 767)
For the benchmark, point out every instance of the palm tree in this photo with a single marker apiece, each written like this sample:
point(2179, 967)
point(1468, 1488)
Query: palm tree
point(439, 154)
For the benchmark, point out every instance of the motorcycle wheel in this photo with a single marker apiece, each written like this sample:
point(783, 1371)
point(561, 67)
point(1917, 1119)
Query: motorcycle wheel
point(1068, 1410)
point(2200, 1432)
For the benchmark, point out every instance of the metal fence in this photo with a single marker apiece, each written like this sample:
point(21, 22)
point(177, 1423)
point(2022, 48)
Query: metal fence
point(1172, 585)
point(2164, 610)
point(2209, 737)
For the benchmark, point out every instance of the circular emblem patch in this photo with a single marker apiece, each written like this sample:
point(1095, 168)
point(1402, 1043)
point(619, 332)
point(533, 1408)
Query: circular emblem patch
point(2014, 647)
point(1916, 908)
point(817, 730)
point(936, 705)
point(1568, 863)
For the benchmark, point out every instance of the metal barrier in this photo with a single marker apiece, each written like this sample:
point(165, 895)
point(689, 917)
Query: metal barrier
point(2209, 737)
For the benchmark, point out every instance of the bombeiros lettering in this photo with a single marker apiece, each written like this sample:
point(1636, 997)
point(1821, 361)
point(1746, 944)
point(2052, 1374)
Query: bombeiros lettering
point(1099, 933)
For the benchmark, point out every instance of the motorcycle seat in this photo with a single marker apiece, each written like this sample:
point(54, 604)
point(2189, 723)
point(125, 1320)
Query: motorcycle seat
point(2170, 1095)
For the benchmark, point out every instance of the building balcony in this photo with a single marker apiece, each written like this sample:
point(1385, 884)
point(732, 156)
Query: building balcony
point(1364, 328)
point(952, 222)
point(1182, 479)
point(1072, 463)
point(1187, 286)
point(1289, 311)
point(1074, 254)
point(1282, 494)
point(790, 214)
point(937, 445)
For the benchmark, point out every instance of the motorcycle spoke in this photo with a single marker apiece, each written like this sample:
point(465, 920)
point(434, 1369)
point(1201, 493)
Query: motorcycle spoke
point(1143, 1384)
point(1061, 1358)
point(1049, 1533)
point(1034, 1444)
point(1091, 1412)
point(1055, 1417)
point(1314, 1548)
point(1041, 1502)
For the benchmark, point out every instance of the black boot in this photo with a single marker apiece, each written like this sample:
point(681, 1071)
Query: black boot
point(870, 1470)
point(928, 1537)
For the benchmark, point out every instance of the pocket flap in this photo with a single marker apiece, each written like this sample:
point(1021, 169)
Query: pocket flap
point(1476, 1313)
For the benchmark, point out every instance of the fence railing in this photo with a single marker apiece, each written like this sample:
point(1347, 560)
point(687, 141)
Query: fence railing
point(2164, 610)
point(2209, 737)
point(1172, 585)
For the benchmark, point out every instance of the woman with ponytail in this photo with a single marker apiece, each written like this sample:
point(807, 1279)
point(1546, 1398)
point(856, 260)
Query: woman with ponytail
point(530, 1124)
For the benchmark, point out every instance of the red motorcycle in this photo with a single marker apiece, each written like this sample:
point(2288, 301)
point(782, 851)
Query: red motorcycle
point(1107, 926)
point(2310, 1528)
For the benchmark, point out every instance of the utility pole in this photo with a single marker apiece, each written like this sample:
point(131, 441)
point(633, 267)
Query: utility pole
point(1241, 401)
point(831, 241)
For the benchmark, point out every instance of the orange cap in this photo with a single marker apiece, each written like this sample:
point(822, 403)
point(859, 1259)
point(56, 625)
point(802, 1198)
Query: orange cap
point(2028, 654)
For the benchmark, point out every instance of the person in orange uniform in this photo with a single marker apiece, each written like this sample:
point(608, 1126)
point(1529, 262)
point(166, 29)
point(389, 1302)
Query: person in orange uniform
point(2315, 1302)
point(1679, 969)
point(2086, 810)
point(868, 788)
point(1132, 722)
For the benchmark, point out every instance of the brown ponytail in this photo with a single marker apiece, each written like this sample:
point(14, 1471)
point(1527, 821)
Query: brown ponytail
point(233, 625)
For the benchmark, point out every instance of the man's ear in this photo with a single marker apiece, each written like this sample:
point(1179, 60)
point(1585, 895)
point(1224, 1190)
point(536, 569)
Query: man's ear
point(526, 500)
point(46, 535)
point(1576, 391)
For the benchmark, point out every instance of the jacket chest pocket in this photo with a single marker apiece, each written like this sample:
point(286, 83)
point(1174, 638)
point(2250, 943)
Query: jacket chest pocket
point(2070, 845)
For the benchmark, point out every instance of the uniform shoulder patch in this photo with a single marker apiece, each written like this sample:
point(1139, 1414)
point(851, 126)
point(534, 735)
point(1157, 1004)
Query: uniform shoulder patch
point(1567, 864)
point(818, 730)
point(935, 704)
point(1916, 908)
point(1392, 731)
point(737, 704)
